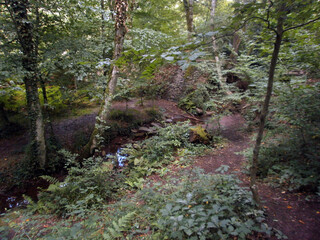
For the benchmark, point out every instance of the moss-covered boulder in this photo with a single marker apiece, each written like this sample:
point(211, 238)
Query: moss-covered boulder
point(199, 135)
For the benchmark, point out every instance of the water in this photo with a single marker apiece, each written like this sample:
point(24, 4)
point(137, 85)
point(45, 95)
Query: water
point(13, 202)
point(119, 159)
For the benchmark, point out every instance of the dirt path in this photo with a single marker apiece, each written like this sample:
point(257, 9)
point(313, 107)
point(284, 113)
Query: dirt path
point(290, 213)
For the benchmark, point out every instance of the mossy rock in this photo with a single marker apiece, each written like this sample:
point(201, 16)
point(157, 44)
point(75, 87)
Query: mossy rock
point(199, 135)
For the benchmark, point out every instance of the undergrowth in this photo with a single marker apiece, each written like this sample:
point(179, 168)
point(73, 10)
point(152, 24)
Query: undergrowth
point(289, 156)
point(197, 206)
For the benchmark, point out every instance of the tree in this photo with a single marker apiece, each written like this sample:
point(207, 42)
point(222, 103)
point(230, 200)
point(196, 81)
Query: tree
point(24, 29)
point(188, 6)
point(215, 49)
point(121, 9)
point(279, 17)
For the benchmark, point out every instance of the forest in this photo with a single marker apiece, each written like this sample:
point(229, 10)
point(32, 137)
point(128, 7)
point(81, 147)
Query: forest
point(171, 119)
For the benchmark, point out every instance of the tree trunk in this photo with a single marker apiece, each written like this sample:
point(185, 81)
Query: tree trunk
point(103, 29)
point(264, 112)
point(3, 115)
point(121, 8)
point(188, 6)
point(18, 11)
point(216, 51)
point(235, 48)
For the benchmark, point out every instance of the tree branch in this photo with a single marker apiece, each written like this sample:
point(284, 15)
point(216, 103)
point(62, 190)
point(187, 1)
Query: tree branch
point(301, 25)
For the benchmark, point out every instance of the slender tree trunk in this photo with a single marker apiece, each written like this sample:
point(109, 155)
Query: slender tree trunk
point(235, 45)
point(3, 115)
point(103, 29)
point(216, 50)
point(264, 112)
point(188, 6)
point(121, 8)
point(18, 11)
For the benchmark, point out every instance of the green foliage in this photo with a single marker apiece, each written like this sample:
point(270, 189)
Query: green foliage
point(13, 98)
point(56, 103)
point(195, 206)
point(153, 153)
point(210, 207)
point(124, 116)
point(196, 99)
point(85, 188)
point(291, 153)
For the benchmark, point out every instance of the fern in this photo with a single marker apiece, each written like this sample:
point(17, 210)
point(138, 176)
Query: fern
point(119, 226)
point(50, 179)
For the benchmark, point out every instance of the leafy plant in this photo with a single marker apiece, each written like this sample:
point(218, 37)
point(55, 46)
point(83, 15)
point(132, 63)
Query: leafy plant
point(86, 187)
point(291, 151)
point(210, 207)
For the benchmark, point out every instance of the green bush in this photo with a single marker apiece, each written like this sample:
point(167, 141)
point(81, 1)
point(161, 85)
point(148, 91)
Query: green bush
point(291, 153)
point(152, 154)
point(13, 98)
point(85, 188)
point(210, 207)
point(127, 116)
point(196, 99)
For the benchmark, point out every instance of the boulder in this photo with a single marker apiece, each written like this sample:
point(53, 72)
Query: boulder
point(199, 135)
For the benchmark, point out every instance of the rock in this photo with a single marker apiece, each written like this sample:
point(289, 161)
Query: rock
point(210, 113)
point(169, 120)
point(178, 119)
point(199, 135)
point(146, 129)
point(157, 125)
point(199, 111)
point(139, 134)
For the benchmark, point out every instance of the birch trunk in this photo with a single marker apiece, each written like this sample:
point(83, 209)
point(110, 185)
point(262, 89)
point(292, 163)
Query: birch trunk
point(221, 79)
point(121, 8)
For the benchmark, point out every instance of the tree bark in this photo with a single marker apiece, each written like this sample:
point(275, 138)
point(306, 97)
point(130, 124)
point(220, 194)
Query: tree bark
point(216, 51)
point(188, 6)
point(3, 115)
point(121, 8)
point(264, 112)
point(235, 45)
point(24, 28)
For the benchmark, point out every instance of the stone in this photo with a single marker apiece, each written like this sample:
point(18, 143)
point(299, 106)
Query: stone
point(199, 135)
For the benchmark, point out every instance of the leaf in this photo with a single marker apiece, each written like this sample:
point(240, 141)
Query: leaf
point(196, 55)
point(188, 231)
point(189, 196)
point(169, 58)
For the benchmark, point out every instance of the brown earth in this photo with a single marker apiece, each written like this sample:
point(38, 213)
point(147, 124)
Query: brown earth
point(290, 213)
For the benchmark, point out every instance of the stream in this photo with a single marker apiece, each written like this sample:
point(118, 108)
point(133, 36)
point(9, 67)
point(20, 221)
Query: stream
point(16, 199)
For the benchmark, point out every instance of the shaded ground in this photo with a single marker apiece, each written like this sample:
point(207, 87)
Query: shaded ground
point(288, 212)
point(70, 132)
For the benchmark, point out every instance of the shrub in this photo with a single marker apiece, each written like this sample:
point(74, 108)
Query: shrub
point(85, 188)
point(291, 153)
point(204, 207)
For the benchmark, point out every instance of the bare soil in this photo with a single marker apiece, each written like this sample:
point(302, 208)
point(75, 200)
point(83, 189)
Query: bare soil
point(290, 213)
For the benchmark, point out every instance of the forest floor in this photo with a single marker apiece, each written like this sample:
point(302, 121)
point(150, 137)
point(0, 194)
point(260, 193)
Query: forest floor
point(288, 212)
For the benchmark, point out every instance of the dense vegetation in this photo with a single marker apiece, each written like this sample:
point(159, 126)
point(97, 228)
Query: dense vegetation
point(64, 59)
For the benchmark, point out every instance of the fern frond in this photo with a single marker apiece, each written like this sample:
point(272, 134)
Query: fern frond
point(49, 179)
point(122, 225)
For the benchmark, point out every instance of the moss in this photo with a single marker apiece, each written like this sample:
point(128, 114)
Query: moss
point(201, 133)
point(189, 71)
